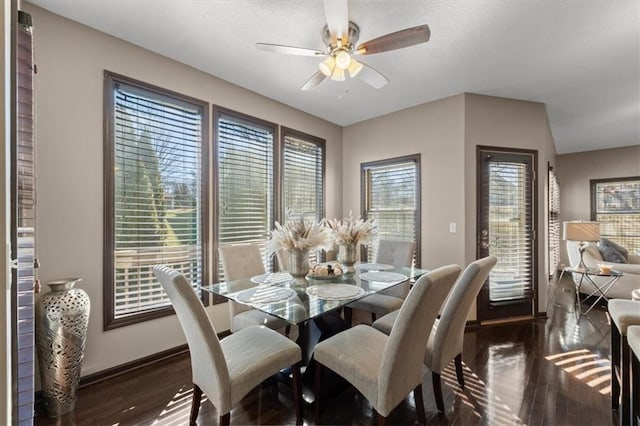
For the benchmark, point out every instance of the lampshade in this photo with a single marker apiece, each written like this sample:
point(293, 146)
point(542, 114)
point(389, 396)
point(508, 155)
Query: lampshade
point(354, 68)
point(581, 231)
point(338, 74)
point(327, 66)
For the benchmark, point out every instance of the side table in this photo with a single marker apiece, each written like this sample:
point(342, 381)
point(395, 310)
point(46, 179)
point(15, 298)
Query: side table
point(600, 290)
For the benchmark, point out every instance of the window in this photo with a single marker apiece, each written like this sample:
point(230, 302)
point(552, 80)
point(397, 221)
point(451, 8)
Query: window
point(245, 181)
point(303, 177)
point(259, 181)
point(554, 222)
point(615, 203)
point(155, 196)
point(391, 196)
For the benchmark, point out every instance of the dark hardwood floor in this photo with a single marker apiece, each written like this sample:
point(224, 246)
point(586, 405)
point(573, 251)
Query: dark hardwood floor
point(548, 372)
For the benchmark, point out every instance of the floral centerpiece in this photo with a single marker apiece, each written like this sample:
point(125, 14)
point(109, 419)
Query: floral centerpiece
point(297, 236)
point(347, 234)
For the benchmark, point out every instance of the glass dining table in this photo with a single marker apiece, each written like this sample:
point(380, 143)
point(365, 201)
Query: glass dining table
point(313, 303)
point(300, 301)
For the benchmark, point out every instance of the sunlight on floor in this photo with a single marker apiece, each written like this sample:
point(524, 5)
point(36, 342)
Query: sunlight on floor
point(477, 396)
point(178, 409)
point(587, 367)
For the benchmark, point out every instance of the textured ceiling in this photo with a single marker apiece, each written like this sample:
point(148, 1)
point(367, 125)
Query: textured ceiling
point(581, 58)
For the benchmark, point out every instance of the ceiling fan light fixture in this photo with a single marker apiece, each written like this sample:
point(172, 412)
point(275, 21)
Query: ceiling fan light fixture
point(327, 66)
point(338, 74)
point(354, 68)
point(343, 59)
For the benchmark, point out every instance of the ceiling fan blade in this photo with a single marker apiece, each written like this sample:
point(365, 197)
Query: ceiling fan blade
point(289, 50)
point(314, 81)
point(372, 77)
point(398, 40)
point(337, 13)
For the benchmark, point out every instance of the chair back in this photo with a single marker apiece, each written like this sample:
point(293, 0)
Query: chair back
point(449, 333)
point(208, 365)
point(395, 252)
point(403, 355)
point(240, 261)
point(282, 256)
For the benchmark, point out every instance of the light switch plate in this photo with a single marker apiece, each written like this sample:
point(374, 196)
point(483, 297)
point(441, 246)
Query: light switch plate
point(452, 227)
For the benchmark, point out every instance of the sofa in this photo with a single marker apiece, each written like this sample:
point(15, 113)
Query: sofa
point(593, 258)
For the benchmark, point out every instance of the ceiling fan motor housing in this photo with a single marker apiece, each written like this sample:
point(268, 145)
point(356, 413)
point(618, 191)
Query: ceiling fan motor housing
point(352, 38)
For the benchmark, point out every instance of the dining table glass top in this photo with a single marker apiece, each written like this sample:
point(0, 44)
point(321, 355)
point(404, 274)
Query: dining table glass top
point(297, 300)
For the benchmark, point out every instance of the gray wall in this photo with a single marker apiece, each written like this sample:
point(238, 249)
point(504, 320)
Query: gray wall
point(71, 59)
point(446, 133)
point(576, 170)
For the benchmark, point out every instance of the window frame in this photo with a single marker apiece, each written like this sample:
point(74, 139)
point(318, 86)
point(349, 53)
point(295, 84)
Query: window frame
point(219, 111)
point(592, 193)
point(414, 158)
point(321, 143)
point(110, 80)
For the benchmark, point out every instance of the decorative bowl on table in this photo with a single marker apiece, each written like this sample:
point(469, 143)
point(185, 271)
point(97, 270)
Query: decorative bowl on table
point(325, 271)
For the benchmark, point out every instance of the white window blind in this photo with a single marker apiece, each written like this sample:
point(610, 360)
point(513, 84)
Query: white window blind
point(511, 235)
point(554, 223)
point(303, 179)
point(245, 182)
point(616, 206)
point(157, 149)
point(391, 198)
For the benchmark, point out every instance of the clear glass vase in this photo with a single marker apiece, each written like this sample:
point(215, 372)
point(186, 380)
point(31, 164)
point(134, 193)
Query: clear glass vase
point(298, 262)
point(347, 256)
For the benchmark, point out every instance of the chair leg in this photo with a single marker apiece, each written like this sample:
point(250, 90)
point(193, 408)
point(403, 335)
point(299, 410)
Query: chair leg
point(195, 404)
point(417, 396)
point(615, 365)
point(318, 378)
point(437, 391)
point(380, 419)
point(297, 392)
point(459, 373)
point(624, 413)
point(348, 315)
point(225, 420)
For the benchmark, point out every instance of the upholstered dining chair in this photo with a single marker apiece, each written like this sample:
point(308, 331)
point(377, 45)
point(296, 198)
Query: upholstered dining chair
point(445, 341)
point(385, 369)
point(244, 261)
point(391, 252)
point(225, 371)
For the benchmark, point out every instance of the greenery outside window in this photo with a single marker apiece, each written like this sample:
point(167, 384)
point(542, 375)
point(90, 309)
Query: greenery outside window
point(155, 196)
point(391, 196)
point(615, 203)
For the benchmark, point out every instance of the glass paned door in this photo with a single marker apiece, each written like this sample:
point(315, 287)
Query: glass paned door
point(506, 230)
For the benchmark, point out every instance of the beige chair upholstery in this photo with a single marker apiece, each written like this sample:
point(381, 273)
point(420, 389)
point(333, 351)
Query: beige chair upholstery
point(391, 252)
point(624, 315)
point(244, 261)
point(229, 369)
point(385, 369)
point(445, 341)
point(592, 258)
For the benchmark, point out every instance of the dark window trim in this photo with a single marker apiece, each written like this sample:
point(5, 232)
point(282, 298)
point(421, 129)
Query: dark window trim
point(363, 194)
point(219, 111)
point(109, 322)
point(592, 189)
point(287, 131)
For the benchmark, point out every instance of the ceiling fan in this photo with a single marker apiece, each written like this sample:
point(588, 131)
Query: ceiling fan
point(340, 36)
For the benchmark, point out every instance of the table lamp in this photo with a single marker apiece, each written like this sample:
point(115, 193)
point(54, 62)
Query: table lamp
point(583, 232)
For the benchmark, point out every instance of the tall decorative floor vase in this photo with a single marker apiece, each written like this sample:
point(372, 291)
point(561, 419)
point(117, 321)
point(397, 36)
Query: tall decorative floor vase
point(347, 256)
point(62, 317)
